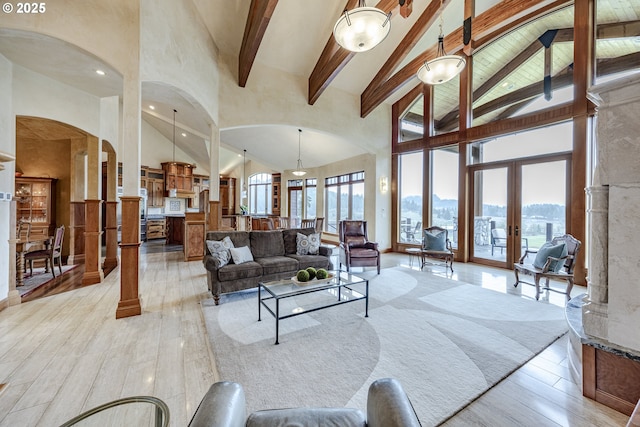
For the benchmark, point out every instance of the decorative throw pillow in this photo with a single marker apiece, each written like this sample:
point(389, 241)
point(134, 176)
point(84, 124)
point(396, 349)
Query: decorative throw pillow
point(241, 255)
point(434, 241)
point(219, 249)
point(549, 250)
point(308, 245)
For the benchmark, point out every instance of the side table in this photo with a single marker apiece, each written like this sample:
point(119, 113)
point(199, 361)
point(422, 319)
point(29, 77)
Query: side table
point(414, 252)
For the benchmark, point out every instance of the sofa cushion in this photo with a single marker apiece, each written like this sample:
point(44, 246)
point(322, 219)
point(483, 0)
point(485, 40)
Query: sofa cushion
point(308, 417)
point(219, 249)
point(308, 245)
point(241, 255)
point(315, 261)
point(549, 250)
point(355, 241)
point(363, 253)
point(239, 271)
point(434, 241)
point(267, 243)
point(277, 264)
point(290, 236)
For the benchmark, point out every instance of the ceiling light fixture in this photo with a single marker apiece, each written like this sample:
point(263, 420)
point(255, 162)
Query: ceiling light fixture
point(362, 28)
point(152, 107)
point(100, 72)
point(173, 191)
point(444, 67)
point(299, 169)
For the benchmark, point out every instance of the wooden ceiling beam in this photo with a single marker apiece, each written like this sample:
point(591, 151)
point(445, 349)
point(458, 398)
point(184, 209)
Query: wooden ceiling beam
point(497, 20)
point(334, 57)
point(258, 18)
point(414, 35)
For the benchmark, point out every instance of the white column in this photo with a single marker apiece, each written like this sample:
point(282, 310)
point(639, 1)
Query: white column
point(214, 164)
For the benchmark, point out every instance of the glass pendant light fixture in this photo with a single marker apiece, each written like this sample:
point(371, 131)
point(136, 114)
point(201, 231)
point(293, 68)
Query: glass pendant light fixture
point(173, 192)
point(444, 67)
point(299, 171)
point(362, 28)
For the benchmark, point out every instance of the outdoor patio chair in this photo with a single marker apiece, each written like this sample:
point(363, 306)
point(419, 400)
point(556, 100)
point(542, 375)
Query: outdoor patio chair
point(499, 240)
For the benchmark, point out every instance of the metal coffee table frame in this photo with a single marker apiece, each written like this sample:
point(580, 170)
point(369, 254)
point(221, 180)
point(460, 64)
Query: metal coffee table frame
point(282, 289)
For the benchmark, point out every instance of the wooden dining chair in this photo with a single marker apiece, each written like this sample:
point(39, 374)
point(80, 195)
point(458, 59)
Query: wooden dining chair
point(48, 255)
point(24, 230)
point(283, 222)
point(308, 223)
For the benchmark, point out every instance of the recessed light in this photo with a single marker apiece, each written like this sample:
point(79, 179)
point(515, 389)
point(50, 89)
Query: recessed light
point(100, 72)
point(184, 134)
point(239, 155)
point(152, 107)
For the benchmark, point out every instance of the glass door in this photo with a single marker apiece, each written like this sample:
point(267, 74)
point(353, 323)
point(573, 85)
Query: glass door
point(489, 224)
point(517, 205)
point(542, 204)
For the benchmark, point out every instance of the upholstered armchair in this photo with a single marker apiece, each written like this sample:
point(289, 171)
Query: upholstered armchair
point(387, 406)
point(355, 248)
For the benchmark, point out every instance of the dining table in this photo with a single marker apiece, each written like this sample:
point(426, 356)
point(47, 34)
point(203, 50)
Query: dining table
point(22, 247)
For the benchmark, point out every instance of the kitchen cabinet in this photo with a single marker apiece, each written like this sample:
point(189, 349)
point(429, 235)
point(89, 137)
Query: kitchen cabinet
point(175, 230)
point(155, 188)
point(276, 190)
point(36, 203)
point(228, 195)
point(200, 183)
point(179, 176)
point(156, 228)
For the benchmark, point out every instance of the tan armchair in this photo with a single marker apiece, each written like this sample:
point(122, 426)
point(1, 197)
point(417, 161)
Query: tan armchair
point(355, 248)
point(554, 260)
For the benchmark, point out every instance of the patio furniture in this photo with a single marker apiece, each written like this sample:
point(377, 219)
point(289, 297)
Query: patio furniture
point(554, 260)
point(355, 248)
point(499, 240)
point(436, 244)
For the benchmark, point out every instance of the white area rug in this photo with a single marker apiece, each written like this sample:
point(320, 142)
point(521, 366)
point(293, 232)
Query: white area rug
point(446, 341)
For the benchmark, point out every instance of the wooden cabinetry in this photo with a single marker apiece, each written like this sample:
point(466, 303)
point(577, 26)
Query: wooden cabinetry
point(36, 199)
point(156, 228)
point(228, 195)
point(155, 188)
point(178, 176)
point(200, 183)
point(194, 235)
point(276, 190)
point(175, 230)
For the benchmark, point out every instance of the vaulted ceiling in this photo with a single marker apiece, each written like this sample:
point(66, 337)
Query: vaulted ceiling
point(295, 37)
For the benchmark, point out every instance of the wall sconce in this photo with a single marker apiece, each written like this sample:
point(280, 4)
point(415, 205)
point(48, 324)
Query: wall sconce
point(384, 184)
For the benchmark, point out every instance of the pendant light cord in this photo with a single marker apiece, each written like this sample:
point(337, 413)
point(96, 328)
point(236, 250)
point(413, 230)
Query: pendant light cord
point(174, 135)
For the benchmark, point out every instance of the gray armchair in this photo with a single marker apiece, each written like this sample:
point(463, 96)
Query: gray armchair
point(387, 406)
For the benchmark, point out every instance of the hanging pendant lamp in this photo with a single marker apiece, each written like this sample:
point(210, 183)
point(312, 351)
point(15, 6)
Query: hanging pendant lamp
point(362, 28)
point(299, 171)
point(173, 192)
point(444, 67)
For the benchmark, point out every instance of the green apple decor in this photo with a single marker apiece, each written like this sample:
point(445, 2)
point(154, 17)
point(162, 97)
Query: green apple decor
point(302, 276)
point(322, 274)
point(312, 273)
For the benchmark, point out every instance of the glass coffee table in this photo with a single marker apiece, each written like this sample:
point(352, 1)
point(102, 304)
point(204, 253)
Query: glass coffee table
point(341, 288)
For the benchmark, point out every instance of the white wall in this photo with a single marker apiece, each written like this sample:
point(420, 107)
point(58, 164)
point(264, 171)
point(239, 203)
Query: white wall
point(176, 49)
point(39, 96)
point(7, 145)
point(157, 149)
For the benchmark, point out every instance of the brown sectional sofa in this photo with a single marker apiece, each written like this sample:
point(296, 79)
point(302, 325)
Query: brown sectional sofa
point(274, 254)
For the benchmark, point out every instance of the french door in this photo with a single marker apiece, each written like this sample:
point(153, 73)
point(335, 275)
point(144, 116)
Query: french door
point(517, 205)
point(295, 206)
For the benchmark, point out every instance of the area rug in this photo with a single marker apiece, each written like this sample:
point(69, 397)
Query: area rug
point(446, 341)
point(40, 278)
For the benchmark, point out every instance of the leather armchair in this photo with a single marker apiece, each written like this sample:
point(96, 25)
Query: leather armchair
point(387, 406)
point(355, 248)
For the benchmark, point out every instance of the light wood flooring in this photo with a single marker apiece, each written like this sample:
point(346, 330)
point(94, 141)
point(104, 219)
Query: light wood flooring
point(66, 353)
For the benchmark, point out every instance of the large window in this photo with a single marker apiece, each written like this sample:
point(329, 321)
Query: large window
point(444, 194)
point(344, 199)
point(410, 196)
point(302, 199)
point(260, 194)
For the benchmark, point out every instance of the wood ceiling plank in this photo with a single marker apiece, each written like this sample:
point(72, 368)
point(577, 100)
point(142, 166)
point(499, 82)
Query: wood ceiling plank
point(258, 18)
point(510, 13)
point(334, 57)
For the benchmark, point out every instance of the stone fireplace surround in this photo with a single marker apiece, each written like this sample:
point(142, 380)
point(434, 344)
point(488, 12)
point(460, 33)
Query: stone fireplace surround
point(604, 345)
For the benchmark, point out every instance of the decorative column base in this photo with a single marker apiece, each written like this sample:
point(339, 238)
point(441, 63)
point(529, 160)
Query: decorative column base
point(111, 237)
point(129, 304)
point(595, 319)
point(93, 270)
